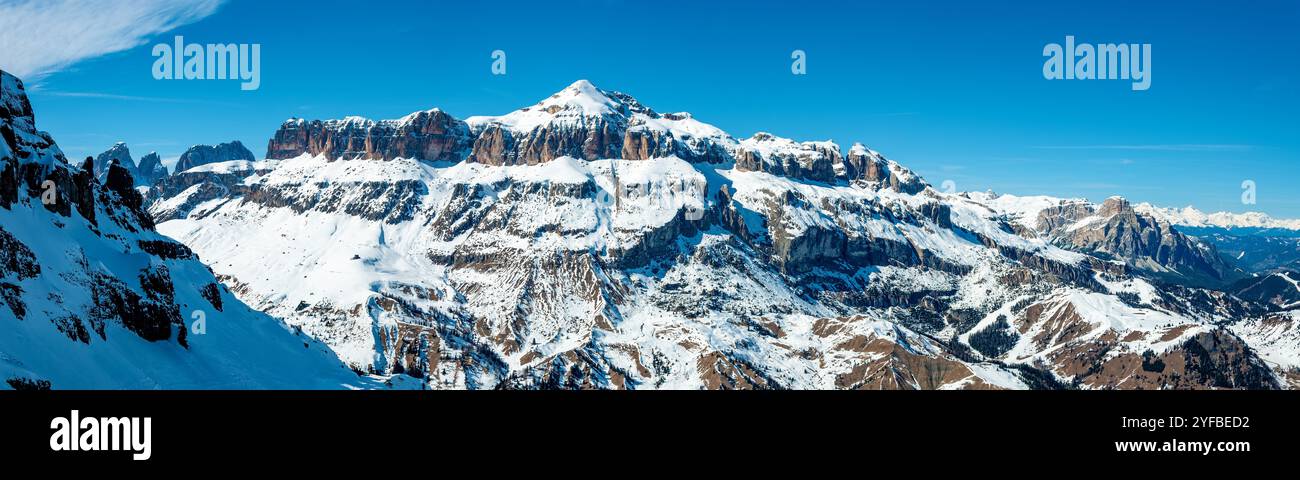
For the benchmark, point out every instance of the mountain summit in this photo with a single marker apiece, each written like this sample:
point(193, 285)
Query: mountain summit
point(581, 97)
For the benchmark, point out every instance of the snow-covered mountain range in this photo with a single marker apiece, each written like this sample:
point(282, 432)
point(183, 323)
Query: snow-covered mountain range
point(589, 241)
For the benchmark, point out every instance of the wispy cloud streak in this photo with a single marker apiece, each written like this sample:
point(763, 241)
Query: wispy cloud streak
point(130, 98)
point(1171, 147)
point(40, 37)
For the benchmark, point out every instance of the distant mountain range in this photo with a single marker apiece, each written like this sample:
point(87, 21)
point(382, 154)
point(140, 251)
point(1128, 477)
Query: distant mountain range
point(1192, 217)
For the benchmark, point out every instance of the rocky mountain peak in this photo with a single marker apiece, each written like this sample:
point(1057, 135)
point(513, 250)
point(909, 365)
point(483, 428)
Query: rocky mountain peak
point(205, 154)
point(579, 105)
point(119, 152)
point(14, 105)
point(1115, 206)
point(1118, 230)
point(150, 169)
point(583, 97)
point(18, 131)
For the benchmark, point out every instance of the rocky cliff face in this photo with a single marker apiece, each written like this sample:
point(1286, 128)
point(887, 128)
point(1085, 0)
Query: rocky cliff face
point(580, 122)
point(430, 135)
point(781, 156)
point(205, 154)
point(94, 297)
point(587, 123)
point(823, 162)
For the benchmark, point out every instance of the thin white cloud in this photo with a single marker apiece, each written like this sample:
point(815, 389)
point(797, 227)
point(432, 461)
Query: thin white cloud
point(132, 98)
point(40, 37)
point(1172, 147)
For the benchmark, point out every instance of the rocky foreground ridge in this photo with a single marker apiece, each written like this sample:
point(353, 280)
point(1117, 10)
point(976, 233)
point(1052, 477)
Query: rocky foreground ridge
point(93, 297)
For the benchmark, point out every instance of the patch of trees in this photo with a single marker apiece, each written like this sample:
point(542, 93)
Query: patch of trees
point(994, 340)
point(1151, 362)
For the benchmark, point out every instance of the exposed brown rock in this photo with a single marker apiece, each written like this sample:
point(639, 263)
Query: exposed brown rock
point(430, 135)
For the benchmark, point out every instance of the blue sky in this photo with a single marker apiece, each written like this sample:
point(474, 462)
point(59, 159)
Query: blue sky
point(951, 89)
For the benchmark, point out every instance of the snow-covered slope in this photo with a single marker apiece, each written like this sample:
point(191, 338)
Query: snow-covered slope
point(590, 242)
point(94, 298)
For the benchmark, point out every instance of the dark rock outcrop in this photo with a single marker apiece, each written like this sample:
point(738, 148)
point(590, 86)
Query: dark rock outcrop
point(119, 153)
point(119, 181)
point(205, 154)
point(16, 259)
point(150, 170)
